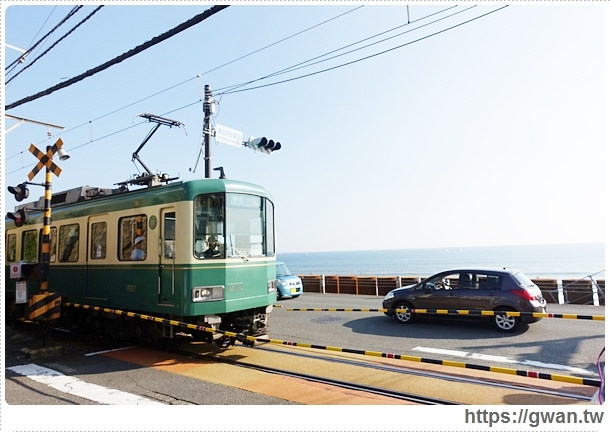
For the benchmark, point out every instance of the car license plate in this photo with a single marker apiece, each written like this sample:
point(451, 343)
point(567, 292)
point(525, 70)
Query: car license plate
point(293, 290)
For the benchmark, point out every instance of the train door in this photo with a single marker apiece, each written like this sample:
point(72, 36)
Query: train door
point(98, 282)
point(168, 256)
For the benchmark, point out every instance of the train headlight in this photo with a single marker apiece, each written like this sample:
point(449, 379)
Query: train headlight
point(208, 293)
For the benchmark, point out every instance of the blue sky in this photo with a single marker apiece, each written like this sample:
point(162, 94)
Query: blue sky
point(468, 131)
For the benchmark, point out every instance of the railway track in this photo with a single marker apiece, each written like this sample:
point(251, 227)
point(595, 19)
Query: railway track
point(452, 377)
point(417, 385)
point(417, 399)
point(386, 378)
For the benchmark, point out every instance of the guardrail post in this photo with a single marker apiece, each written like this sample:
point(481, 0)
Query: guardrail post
point(560, 297)
point(323, 283)
point(595, 289)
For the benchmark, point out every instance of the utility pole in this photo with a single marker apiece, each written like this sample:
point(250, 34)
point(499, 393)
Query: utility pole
point(208, 110)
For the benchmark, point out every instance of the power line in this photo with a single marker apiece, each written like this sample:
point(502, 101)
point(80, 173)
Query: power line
point(283, 40)
point(55, 44)
point(211, 70)
point(362, 58)
point(311, 62)
point(299, 77)
point(134, 51)
point(29, 50)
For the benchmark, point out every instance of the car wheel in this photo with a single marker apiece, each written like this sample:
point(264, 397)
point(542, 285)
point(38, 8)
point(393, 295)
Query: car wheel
point(404, 316)
point(506, 323)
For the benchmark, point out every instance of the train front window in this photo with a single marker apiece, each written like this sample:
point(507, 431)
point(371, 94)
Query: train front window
point(208, 226)
point(248, 231)
point(233, 225)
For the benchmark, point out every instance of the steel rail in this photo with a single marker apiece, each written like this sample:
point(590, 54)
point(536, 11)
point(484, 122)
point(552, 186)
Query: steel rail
point(323, 380)
point(427, 374)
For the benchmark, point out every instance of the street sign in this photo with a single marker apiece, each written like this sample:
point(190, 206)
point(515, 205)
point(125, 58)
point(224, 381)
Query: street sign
point(228, 136)
point(46, 159)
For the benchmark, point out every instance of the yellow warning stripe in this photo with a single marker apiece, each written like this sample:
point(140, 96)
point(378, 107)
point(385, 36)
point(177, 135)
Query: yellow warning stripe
point(243, 338)
point(454, 312)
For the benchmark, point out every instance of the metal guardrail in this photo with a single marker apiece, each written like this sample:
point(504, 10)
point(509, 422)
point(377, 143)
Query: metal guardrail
point(454, 312)
point(587, 290)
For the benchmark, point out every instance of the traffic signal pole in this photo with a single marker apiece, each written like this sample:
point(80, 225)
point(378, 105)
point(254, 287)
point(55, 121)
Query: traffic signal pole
point(207, 129)
point(227, 135)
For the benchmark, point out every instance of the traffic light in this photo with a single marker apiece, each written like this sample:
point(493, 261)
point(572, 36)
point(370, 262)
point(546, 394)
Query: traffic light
point(21, 192)
point(263, 144)
point(20, 217)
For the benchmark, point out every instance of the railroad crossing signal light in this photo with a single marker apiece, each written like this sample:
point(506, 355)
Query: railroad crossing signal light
point(21, 192)
point(20, 217)
point(263, 144)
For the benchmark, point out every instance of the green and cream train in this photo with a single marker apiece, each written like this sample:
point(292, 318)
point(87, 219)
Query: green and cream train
point(200, 252)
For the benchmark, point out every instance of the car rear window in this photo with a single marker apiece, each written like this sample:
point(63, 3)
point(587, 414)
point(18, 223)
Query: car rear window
point(522, 280)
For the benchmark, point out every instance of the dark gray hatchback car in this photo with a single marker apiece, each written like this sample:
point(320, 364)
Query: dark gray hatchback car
point(473, 289)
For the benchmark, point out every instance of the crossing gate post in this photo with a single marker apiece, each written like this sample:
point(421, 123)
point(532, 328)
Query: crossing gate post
point(45, 306)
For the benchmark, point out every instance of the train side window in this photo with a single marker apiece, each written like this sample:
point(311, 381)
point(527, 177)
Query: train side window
point(53, 244)
point(98, 240)
point(29, 245)
point(133, 238)
point(53, 247)
point(11, 247)
point(169, 235)
point(68, 243)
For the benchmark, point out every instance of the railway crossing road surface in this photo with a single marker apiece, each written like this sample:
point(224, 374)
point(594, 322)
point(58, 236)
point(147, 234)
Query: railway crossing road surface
point(85, 370)
point(139, 376)
point(191, 376)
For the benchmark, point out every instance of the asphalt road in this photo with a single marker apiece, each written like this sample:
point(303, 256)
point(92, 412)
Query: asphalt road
point(559, 346)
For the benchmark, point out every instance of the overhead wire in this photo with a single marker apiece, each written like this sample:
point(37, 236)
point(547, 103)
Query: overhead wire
point(30, 49)
point(284, 39)
point(55, 44)
point(311, 61)
point(134, 51)
point(211, 70)
point(362, 58)
point(290, 79)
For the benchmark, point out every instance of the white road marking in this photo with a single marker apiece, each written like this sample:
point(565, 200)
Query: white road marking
point(502, 359)
point(77, 387)
point(107, 351)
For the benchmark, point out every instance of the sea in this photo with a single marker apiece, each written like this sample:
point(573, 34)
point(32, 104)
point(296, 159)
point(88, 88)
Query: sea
point(556, 261)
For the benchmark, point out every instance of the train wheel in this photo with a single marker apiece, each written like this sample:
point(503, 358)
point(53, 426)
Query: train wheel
point(225, 341)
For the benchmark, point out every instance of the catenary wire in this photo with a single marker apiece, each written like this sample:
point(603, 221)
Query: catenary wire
point(282, 40)
point(366, 57)
point(291, 79)
point(312, 61)
point(198, 76)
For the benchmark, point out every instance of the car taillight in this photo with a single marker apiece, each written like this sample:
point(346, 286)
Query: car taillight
point(524, 293)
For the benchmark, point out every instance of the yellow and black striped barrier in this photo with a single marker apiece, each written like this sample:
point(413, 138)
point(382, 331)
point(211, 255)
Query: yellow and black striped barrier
point(252, 339)
point(141, 316)
point(524, 373)
point(44, 307)
point(454, 312)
